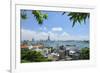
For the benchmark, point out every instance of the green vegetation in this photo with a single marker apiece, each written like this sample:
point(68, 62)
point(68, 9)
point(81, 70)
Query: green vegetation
point(40, 17)
point(74, 16)
point(77, 17)
point(52, 49)
point(28, 56)
point(32, 56)
point(23, 14)
point(84, 53)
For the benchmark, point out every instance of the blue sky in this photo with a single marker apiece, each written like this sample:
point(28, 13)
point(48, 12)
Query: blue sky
point(57, 26)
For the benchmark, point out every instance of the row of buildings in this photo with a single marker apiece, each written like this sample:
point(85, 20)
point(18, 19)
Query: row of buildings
point(59, 53)
point(62, 53)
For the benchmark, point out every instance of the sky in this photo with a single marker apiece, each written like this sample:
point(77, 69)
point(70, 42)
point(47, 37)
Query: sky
point(57, 26)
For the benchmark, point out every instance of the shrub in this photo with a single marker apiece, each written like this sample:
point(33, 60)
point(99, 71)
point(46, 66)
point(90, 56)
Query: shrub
point(84, 53)
point(32, 56)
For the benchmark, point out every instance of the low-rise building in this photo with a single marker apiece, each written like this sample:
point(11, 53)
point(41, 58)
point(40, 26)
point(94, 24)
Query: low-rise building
point(24, 46)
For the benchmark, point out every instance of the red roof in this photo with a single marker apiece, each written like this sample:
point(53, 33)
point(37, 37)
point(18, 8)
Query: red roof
point(24, 46)
point(34, 46)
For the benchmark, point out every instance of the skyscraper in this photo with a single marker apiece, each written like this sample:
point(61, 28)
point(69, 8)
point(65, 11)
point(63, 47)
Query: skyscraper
point(48, 38)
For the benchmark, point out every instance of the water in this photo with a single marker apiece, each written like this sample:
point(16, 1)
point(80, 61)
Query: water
point(56, 44)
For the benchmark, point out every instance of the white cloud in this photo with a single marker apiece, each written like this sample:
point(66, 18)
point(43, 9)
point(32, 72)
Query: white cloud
point(29, 34)
point(43, 28)
point(57, 29)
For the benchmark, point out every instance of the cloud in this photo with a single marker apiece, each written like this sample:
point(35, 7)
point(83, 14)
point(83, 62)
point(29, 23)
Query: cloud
point(29, 34)
point(57, 29)
point(43, 28)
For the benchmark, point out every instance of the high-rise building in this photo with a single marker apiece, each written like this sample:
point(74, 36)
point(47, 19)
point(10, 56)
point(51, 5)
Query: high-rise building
point(32, 39)
point(48, 38)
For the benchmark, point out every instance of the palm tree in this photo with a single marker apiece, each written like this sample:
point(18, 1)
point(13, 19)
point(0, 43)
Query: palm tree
point(77, 17)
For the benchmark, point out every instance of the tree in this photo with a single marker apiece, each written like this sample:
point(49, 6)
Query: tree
point(40, 17)
point(84, 53)
point(23, 14)
point(24, 52)
point(74, 16)
point(77, 17)
point(32, 56)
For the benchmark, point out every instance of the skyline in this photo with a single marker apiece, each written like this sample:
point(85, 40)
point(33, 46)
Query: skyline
point(57, 26)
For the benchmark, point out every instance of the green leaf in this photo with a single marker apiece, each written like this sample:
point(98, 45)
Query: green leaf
point(45, 16)
point(39, 16)
point(23, 14)
point(78, 17)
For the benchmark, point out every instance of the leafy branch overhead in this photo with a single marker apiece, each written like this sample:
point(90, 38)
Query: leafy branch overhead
point(23, 14)
point(74, 16)
point(39, 16)
point(77, 17)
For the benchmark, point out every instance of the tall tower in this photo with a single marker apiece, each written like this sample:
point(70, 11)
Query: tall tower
point(32, 39)
point(48, 38)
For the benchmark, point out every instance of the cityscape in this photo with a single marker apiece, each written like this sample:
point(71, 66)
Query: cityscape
point(46, 43)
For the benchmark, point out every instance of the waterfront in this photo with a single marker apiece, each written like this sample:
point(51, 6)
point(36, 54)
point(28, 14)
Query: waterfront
point(55, 44)
point(54, 36)
point(57, 50)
